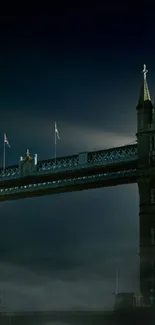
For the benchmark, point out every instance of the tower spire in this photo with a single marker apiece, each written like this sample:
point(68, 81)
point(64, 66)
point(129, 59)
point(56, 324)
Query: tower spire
point(144, 94)
point(146, 89)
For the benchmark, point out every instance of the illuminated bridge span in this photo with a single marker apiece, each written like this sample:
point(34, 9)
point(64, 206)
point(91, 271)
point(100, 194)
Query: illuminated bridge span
point(73, 173)
point(122, 165)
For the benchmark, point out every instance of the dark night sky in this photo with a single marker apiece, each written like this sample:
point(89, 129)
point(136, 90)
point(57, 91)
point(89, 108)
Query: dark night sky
point(81, 67)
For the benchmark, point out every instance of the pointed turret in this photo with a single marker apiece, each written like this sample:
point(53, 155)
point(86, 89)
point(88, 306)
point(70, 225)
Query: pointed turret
point(144, 107)
point(144, 93)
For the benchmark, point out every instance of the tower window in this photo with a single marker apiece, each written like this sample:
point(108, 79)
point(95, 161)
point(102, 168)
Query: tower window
point(137, 300)
point(153, 196)
point(153, 236)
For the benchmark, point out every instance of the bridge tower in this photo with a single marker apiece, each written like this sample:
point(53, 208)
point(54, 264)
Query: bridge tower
point(146, 186)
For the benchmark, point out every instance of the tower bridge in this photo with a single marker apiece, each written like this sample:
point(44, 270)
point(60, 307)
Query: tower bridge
point(115, 166)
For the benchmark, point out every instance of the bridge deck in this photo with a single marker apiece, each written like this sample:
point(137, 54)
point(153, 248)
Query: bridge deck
point(101, 168)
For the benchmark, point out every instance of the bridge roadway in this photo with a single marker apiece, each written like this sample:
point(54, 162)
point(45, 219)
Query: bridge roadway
point(94, 169)
point(127, 317)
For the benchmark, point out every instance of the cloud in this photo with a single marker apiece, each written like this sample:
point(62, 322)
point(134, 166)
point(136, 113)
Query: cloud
point(92, 138)
point(37, 133)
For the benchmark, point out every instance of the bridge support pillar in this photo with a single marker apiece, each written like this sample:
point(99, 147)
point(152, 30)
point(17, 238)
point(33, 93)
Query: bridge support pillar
point(146, 186)
point(147, 240)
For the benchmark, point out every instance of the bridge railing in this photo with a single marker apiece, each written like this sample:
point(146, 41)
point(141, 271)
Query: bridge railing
point(70, 163)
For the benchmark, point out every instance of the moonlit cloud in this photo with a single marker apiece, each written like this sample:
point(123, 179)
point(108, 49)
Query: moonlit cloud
point(89, 138)
point(37, 133)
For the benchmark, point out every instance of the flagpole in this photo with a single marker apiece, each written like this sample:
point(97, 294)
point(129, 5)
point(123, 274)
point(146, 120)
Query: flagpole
point(4, 154)
point(55, 144)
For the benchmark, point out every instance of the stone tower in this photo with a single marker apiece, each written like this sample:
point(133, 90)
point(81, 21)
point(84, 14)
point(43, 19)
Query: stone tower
point(146, 186)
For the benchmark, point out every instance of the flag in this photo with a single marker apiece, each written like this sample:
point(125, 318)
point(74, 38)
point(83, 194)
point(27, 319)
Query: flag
point(6, 140)
point(56, 131)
